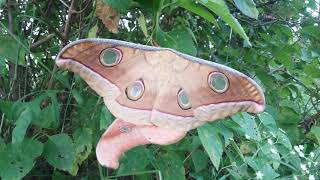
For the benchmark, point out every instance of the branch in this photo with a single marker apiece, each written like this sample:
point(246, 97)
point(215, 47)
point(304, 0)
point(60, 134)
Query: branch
point(267, 3)
point(66, 35)
point(307, 123)
point(42, 41)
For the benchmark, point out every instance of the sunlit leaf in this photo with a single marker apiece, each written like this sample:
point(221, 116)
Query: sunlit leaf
point(212, 143)
point(21, 125)
point(18, 159)
point(60, 152)
point(11, 50)
point(248, 125)
point(198, 9)
point(220, 8)
point(247, 7)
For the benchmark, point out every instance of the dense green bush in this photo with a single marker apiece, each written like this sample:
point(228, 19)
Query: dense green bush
point(50, 120)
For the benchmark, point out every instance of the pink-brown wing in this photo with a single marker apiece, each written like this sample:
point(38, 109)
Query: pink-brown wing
point(163, 74)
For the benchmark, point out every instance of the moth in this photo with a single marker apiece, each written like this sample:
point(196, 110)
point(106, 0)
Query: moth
point(156, 94)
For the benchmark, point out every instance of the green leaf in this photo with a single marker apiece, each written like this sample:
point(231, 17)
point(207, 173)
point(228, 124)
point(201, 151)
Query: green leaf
point(247, 7)
point(105, 118)
point(271, 152)
point(93, 31)
point(12, 109)
point(77, 96)
point(211, 142)
point(11, 50)
point(60, 152)
point(248, 125)
point(22, 124)
point(220, 8)
point(268, 172)
point(311, 31)
point(313, 70)
point(120, 5)
point(2, 144)
point(179, 38)
point(184, 39)
point(200, 160)
point(83, 145)
point(315, 131)
point(171, 166)
point(283, 139)
point(142, 23)
point(18, 159)
point(135, 160)
point(199, 10)
point(267, 120)
point(3, 69)
point(46, 110)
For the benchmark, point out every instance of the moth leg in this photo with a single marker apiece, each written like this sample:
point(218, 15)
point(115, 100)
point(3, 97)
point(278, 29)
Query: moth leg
point(122, 136)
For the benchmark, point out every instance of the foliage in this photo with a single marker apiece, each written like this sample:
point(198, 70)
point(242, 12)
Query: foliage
point(51, 121)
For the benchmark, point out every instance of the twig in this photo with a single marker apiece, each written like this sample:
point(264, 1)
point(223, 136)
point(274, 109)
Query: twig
point(42, 41)
point(307, 123)
point(66, 35)
point(267, 3)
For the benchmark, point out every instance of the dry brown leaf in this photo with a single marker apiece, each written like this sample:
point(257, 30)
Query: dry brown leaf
point(109, 16)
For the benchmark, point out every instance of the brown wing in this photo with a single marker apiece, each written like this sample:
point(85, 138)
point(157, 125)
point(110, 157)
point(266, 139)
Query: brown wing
point(162, 73)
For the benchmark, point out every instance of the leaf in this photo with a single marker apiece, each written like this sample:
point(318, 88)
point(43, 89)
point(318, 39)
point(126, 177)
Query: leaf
point(315, 131)
point(105, 118)
point(77, 96)
point(11, 50)
point(46, 110)
point(22, 124)
point(109, 16)
point(311, 31)
point(59, 151)
point(271, 152)
point(268, 172)
point(199, 10)
point(211, 142)
point(248, 125)
point(284, 140)
point(199, 159)
point(93, 31)
point(247, 7)
point(220, 8)
point(18, 159)
point(83, 145)
point(171, 166)
point(267, 120)
point(2, 144)
point(313, 70)
point(120, 5)
point(142, 23)
point(184, 39)
point(135, 160)
point(3, 69)
point(179, 38)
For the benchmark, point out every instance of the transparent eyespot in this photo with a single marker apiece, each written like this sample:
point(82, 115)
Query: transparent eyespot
point(218, 82)
point(183, 100)
point(110, 57)
point(135, 90)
